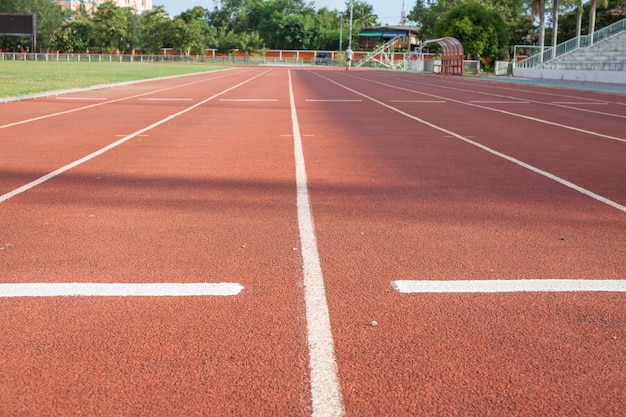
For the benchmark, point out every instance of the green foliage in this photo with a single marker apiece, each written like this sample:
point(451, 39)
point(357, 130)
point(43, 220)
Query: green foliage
point(111, 26)
point(191, 32)
point(567, 23)
point(249, 25)
point(48, 15)
point(480, 30)
point(157, 30)
point(515, 14)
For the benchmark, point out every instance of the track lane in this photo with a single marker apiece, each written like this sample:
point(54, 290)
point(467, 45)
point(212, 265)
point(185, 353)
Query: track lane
point(55, 139)
point(608, 124)
point(207, 196)
point(394, 200)
point(554, 149)
point(211, 194)
point(64, 102)
point(531, 92)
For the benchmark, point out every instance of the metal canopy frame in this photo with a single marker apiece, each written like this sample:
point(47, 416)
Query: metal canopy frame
point(451, 56)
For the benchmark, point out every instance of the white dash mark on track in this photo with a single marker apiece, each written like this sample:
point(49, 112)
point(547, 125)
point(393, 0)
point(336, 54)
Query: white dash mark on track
point(81, 289)
point(522, 285)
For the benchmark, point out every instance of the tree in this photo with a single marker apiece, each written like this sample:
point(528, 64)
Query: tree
point(284, 24)
point(426, 13)
point(555, 22)
point(362, 16)
point(480, 30)
point(192, 33)
point(592, 14)
point(515, 13)
point(538, 8)
point(157, 30)
point(328, 25)
point(76, 33)
point(111, 26)
point(49, 17)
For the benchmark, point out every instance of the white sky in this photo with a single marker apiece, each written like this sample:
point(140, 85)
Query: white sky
point(388, 11)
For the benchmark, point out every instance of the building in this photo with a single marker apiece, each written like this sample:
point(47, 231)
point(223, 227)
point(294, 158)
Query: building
point(138, 6)
point(370, 38)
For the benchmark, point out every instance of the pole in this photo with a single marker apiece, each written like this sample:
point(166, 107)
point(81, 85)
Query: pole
point(35, 34)
point(351, 14)
point(341, 32)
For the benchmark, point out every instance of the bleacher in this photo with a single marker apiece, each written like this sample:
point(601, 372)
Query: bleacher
point(600, 57)
point(608, 54)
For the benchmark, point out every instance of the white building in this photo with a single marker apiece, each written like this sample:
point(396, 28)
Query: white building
point(138, 6)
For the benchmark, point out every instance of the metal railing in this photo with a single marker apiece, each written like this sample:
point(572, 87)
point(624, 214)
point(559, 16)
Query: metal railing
point(199, 59)
point(536, 57)
point(383, 56)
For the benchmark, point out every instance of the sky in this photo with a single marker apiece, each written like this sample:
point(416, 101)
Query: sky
point(388, 11)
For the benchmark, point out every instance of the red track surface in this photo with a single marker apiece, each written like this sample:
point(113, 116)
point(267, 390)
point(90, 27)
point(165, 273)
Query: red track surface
point(400, 189)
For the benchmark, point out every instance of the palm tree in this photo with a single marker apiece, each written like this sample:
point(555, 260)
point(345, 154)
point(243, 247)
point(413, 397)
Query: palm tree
point(555, 25)
point(539, 8)
point(361, 16)
point(579, 21)
point(364, 15)
point(592, 16)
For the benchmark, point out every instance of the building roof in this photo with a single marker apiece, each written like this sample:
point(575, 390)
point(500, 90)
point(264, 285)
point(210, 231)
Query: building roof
point(388, 31)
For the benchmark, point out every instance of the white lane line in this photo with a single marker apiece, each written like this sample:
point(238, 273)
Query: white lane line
point(83, 98)
point(165, 99)
point(499, 101)
point(90, 106)
point(533, 101)
point(325, 391)
point(580, 102)
point(119, 289)
point(313, 100)
point(117, 143)
point(522, 116)
point(522, 164)
point(249, 99)
point(417, 101)
point(523, 285)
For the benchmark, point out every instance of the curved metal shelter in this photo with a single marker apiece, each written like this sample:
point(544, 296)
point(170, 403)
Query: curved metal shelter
point(451, 55)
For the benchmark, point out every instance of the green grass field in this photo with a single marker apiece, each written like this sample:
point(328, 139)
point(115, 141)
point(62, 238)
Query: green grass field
point(19, 78)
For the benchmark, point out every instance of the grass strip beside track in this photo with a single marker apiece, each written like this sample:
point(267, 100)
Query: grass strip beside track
point(19, 78)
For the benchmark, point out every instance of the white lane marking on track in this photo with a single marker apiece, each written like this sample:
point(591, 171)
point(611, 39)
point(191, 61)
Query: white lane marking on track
point(536, 101)
point(313, 100)
point(46, 116)
point(417, 101)
point(536, 170)
point(325, 391)
point(165, 99)
point(580, 102)
point(82, 98)
point(499, 101)
point(498, 286)
point(249, 99)
point(119, 289)
point(115, 144)
point(535, 119)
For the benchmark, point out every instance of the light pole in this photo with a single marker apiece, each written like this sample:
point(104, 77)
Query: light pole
point(340, 31)
point(351, 14)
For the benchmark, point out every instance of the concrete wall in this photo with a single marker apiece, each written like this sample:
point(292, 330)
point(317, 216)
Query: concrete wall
point(609, 77)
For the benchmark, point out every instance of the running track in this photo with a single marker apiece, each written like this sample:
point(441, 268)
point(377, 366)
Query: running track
point(374, 243)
